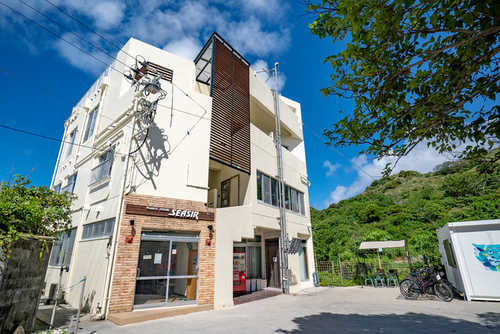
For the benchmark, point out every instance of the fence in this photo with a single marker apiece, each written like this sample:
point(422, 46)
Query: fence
point(337, 273)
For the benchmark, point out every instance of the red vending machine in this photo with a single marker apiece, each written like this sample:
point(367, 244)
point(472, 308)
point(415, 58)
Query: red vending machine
point(239, 273)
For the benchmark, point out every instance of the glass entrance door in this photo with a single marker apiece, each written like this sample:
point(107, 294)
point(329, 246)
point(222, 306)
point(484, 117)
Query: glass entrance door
point(167, 270)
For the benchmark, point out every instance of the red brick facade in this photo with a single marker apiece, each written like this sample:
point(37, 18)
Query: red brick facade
point(125, 267)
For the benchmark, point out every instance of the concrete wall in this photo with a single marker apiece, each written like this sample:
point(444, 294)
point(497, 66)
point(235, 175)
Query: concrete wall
point(21, 280)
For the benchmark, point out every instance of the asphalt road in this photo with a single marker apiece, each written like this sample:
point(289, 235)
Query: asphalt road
point(327, 310)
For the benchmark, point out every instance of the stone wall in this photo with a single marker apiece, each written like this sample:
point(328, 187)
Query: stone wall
point(21, 279)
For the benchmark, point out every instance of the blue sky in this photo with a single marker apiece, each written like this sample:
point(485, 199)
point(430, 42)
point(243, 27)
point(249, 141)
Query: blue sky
point(264, 31)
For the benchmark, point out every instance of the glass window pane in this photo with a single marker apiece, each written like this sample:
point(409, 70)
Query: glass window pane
point(287, 197)
point(302, 204)
point(259, 186)
point(274, 192)
point(267, 189)
point(303, 263)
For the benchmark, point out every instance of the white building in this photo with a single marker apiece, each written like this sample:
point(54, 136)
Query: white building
point(172, 188)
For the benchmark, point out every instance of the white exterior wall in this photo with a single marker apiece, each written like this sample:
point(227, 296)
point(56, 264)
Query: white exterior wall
point(257, 218)
point(175, 165)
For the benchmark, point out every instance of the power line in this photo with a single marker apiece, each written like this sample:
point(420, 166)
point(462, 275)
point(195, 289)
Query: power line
point(60, 25)
point(38, 87)
point(333, 148)
point(54, 94)
point(50, 138)
point(86, 27)
point(361, 169)
point(56, 35)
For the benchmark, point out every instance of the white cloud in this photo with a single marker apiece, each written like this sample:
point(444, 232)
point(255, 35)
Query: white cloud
point(330, 168)
point(252, 27)
point(421, 159)
point(187, 47)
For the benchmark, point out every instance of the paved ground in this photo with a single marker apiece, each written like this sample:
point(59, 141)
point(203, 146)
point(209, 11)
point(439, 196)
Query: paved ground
point(326, 310)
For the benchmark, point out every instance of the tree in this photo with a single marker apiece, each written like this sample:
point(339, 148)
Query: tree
point(418, 71)
point(31, 211)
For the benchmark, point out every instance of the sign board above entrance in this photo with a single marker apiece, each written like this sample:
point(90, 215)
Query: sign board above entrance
point(144, 210)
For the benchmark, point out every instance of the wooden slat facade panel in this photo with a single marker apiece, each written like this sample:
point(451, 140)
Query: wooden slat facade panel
point(230, 131)
point(155, 69)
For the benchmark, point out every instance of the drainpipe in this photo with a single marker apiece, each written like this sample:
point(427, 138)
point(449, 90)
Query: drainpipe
point(114, 243)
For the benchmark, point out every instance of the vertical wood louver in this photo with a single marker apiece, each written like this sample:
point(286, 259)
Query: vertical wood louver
point(230, 130)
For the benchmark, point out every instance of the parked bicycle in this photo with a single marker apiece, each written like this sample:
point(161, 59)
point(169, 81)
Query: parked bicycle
point(424, 281)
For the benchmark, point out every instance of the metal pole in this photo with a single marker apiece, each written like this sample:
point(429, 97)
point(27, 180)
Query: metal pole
point(80, 305)
point(57, 297)
point(281, 189)
point(70, 324)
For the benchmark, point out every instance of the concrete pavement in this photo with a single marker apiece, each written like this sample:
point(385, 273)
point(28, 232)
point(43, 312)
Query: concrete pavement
point(326, 310)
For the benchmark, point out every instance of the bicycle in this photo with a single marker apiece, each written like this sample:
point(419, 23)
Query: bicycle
point(423, 281)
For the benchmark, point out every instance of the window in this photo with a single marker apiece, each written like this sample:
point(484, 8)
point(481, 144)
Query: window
point(70, 186)
point(98, 230)
point(62, 249)
point(57, 188)
point(103, 169)
point(449, 253)
point(267, 192)
point(303, 261)
point(89, 130)
point(69, 143)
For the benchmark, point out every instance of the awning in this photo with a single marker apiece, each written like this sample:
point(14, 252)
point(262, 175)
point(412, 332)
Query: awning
point(381, 244)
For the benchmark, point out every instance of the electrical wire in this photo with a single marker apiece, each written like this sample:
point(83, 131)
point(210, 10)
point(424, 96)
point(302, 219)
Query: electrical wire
point(71, 32)
point(38, 87)
point(396, 196)
point(50, 138)
point(82, 24)
point(54, 94)
point(154, 104)
point(56, 35)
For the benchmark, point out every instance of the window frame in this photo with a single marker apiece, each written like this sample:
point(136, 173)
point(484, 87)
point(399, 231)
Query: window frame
point(62, 250)
point(98, 230)
point(91, 120)
point(294, 199)
point(70, 143)
point(96, 173)
point(71, 183)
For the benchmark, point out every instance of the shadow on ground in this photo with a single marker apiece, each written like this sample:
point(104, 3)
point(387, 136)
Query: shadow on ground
point(393, 323)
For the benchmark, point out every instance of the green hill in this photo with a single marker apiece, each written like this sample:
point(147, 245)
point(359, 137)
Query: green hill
point(408, 205)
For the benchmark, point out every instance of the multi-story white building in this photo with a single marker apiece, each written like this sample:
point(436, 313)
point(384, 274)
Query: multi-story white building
point(177, 184)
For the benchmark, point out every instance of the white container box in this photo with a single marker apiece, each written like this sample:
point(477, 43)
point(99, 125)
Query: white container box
point(263, 284)
point(254, 284)
point(259, 284)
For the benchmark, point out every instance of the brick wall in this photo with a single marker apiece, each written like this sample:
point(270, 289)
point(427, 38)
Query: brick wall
point(125, 268)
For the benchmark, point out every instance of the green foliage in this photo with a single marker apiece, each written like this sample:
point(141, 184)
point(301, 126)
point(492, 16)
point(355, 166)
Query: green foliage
point(411, 209)
point(414, 70)
point(33, 211)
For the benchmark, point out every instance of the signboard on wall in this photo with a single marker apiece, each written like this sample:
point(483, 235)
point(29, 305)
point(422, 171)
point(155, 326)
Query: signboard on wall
point(178, 213)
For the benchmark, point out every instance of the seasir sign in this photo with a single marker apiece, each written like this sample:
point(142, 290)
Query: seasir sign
point(156, 211)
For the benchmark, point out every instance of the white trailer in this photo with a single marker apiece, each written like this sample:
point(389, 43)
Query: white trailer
point(471, 256)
